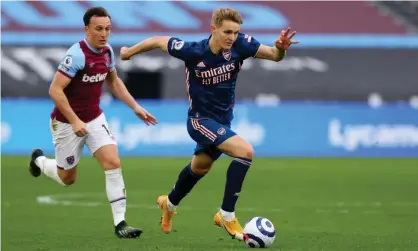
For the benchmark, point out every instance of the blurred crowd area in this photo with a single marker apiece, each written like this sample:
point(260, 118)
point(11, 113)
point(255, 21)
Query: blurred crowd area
point(349, 88)
point(348, 51)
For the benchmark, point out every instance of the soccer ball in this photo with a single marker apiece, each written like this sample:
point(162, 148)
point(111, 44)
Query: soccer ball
point(260, 232)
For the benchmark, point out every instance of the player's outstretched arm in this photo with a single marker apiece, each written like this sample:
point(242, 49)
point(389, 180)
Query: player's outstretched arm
point(118, 88)
point(56, 91)
point(149, 44)
point(270, 53)
point(277, 52)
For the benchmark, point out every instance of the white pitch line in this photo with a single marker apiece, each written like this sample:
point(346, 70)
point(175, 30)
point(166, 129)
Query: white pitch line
point(343, 211)
point(64, 201)
point(340, 207)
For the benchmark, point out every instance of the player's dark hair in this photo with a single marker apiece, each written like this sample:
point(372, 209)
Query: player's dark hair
point(95, 11)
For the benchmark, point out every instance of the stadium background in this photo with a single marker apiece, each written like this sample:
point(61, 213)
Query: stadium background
point(314, 103)
point(349, 89)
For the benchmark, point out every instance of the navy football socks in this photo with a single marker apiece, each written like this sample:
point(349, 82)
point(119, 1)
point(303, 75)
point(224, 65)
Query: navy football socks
point(185, 182)
point(234, 179)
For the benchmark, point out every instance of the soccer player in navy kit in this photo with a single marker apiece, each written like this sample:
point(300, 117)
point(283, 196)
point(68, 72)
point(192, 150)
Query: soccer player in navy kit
point(77, 119)
point(212, 66)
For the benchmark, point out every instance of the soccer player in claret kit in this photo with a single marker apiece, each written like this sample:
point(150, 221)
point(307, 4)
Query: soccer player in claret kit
point(78, 120)
point(212, 67)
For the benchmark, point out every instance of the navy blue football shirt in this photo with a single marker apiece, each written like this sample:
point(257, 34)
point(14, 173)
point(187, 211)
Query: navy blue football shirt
point(211, 78)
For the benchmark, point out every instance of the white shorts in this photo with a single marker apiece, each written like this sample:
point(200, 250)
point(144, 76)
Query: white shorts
point(69, 147)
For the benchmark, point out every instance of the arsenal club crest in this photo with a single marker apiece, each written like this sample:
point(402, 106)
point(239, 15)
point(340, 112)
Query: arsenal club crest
point(221, 131)
point(227, 54)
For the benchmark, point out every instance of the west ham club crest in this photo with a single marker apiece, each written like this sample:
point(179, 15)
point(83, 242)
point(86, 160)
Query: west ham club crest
point(70, 160)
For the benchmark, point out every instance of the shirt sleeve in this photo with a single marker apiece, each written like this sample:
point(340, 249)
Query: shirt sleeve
point(247, 45)
point(112, 59)
point(181, 49)
point(72, 62)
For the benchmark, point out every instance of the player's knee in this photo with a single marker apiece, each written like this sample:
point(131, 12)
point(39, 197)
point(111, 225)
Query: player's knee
point(247, 152)
point(250, 152)
point(68, 179)
point(112, 163)
point(201, 170)
point(201, 164)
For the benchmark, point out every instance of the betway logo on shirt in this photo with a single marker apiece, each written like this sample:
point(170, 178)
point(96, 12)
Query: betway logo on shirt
point(95, 78)
point(216, 75)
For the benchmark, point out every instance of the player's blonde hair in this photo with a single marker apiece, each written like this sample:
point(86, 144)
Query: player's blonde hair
point(222, 14)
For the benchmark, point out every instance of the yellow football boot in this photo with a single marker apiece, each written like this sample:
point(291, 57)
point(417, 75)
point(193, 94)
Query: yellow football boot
point(233, 227)
point(167, 217)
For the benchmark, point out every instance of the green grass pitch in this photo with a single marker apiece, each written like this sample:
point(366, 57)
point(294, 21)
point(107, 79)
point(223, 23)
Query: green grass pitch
point(315, 204)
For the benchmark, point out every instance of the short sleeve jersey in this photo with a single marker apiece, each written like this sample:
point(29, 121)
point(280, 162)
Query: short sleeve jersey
point(211, 78)
point(87, 68)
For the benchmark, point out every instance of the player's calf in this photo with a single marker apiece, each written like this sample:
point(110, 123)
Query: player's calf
point(189, 176)
point(187, 179)
point(108, 158)
point(116, 194)
point(40, 164)
point(243, 154)
point(115, 190)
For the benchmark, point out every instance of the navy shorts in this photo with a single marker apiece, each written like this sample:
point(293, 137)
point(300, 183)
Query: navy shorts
point(208, 134)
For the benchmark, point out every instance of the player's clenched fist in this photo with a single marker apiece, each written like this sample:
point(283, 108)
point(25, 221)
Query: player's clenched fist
point(147, 117)
point(124, 53)
point(79, 128)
